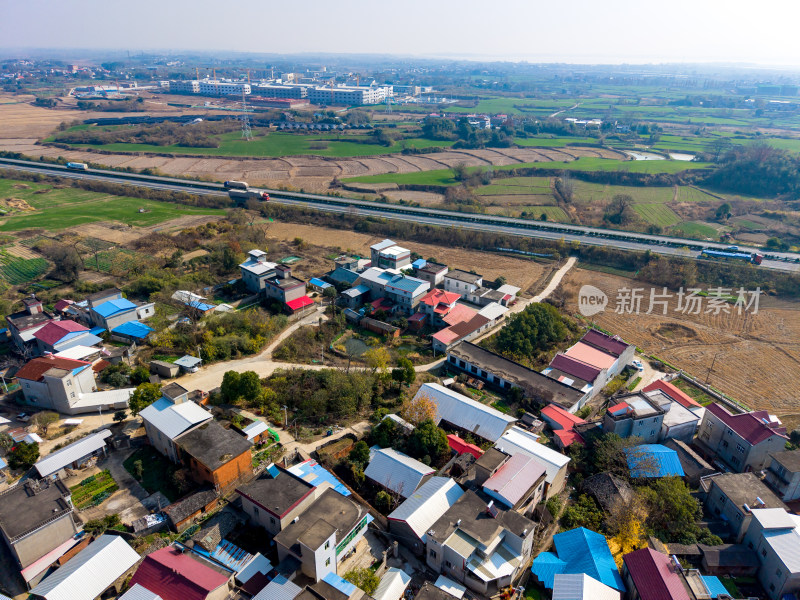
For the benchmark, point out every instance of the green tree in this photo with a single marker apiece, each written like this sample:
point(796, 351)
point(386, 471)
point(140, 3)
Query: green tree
point(143, 396)
point(43, 420)
point(140, 375)
point(384, 434)
point(609, 456)
point(673, 511)
point(24, 455)
point(6, 441)
point(138, 469)
point(120, 416)
point(383, 502)
point(364, 579)
point(537, 328)
point(98, 526)
point(583, 513)
point(377, 359)
point(250, 387)
point(117, 380)
point(229, 389)
point(428, 440)
point(359, 454)
point(723, 212)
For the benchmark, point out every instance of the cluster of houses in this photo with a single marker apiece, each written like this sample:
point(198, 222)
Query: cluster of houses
point(468, 530)
point(67, 349)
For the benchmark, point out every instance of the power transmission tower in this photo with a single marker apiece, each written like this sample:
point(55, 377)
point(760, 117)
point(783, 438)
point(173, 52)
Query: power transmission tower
point(246, 133)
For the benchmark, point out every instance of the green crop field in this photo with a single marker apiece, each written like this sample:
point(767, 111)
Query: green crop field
point(55, 209)
point(554, 213)
point(597, 192)
point(517, 185)
point(276, 144)
point(694, 230)
point(657, 214)
point(690, 194)
point(118, 260)
point(17, 271)
point(555, 142)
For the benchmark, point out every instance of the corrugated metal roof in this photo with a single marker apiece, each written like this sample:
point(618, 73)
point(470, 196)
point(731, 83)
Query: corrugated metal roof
point(466, 413)
point(135, 329)
point(188, 361)
point(653, 460)
point(451, 587)
point(397, 471)
point(113, 307)
point(315, 474)
point(518, 440)
point(579, 586)
point(339, 583)
point(714, 586)
point(426, 505)
point(583, 551)
point(653, 577)
point(591, 355)
point(255, 428)
point(257, 564)
point(138, 592)
point(774, 518)
point(513, 480)
point(546, 566)
point(66, 456)
point(393, 585)
point(90, 572)
point(279, 588)
point(173, 419)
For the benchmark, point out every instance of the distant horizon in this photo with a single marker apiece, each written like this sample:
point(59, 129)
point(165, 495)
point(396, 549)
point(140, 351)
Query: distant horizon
point(618, 32)
point(95, 54)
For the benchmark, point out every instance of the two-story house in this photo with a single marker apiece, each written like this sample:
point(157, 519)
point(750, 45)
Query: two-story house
point(35, 520)
point(67, 386)
point(652, 416)
point(783, 474)
point(286, 289)
point(323, 534)
point(388, 255)
point(57, 336)
point(23, 324)
point(774, 535)
point(479, 544)
point(431, 272)
point(215, 456)
point(255, 270)
point(436, 305)
point(461, 282)
point(169, 417)
point(276, 497)
point(745, 441)
point(733, 497)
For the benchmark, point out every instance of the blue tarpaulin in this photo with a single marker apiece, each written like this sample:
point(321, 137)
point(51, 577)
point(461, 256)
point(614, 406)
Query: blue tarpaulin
point(653, 460)
point(133, 329)
point(714, 586)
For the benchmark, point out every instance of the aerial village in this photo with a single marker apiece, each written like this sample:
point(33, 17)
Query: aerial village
point(596, 477)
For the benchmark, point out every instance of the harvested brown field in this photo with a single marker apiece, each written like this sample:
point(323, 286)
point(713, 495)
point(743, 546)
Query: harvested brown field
point(757, 355)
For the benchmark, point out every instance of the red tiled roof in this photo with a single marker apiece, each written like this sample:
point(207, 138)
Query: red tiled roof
point(62, 304)
point(100, 365)
point(458, 314)
point(55, 330)
point(437, 296)
point(380, 303)
point(653, 576)
point(561, 417)
point(174, 575)
point(300, 302)
point(751, 426)
point(591, 355)
point(461, 447)
point(37, 367)
point(673, 392)
point(417, 317)
point(576, 368)
point(567, 437)
point(612, 345)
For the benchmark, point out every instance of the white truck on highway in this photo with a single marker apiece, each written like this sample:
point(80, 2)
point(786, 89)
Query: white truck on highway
point(78, 166)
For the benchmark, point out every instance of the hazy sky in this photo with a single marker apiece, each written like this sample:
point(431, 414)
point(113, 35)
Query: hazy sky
point(594, 31)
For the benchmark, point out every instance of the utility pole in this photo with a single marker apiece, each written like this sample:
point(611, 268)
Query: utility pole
point(711, 368)
point(285, 418)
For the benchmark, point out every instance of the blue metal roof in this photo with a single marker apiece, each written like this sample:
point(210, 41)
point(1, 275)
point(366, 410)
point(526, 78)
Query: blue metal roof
point(546, 566)
point(203, 306)
point(231, 555)
point(97, 331)
point(419, 263)
point(3, 464)
point(134, 329)
point(319, 283)
point(188, 361)
point(407, 284)
point(714, 586)
point(582, 551)
point(114, 307)
point(315, 474)
point(333, 580)
point(653, 460)
point(340, 275)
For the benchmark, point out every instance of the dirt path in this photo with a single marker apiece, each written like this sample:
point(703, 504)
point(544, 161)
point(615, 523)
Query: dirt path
point(555, 114)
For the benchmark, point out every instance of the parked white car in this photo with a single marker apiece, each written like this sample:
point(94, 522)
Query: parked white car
point(638, 364)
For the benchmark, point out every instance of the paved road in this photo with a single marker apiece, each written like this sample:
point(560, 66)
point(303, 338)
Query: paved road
point(554, 231)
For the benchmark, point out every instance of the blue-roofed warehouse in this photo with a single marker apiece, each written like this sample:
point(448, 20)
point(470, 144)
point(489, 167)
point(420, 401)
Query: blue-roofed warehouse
point(114, 312)
point(132, 331)
point(653, 460)
point(578, 551)
point(318, 284)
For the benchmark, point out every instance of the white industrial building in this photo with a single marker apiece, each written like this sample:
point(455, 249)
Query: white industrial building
point(208, 87)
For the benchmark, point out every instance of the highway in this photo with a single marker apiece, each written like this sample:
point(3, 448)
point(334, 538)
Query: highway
point(781, 261)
